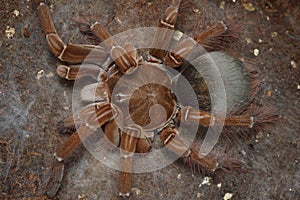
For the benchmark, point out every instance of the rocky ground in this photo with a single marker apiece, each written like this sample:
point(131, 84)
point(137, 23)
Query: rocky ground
point(34, 99)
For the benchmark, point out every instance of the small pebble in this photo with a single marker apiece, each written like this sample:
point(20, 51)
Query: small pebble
point(10, 32)
point(195, 10)
point(40, 74)
point(249, 7)
point(206, 181)
point(199, 195)
point(248, 40)
point(222, 5)
point(66, 108)
point(256, 52)
point(118, 20)
point(50, 75)
point(81, 197)
point(136, 190)
point(274, 34)
point(243, 152)
point(298, 87)
point(16, 13)
point(219, 185)
point(227, 196)
point(294, 64)
point(179, 176)
point(260, 135)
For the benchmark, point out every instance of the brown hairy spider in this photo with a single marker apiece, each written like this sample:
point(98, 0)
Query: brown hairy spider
point(134, 137)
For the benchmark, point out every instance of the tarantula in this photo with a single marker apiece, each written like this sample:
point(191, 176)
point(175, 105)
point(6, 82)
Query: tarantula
point(133, 131)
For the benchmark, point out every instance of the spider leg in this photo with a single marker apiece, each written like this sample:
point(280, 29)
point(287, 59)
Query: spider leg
point(73, 53)
point(215, 30)
point(125, 57)
point(190, 114)
point(96, 92)
point(206, 163)
point(131, 50)
point(66, 126)
point(101, 32)
point(112, 134)
point(128, 146)
point(73, 72)
point(175, 57)
point(91, 118)
point(164, 33)
point(132, 140)
point(171, 139)
point(77, 53)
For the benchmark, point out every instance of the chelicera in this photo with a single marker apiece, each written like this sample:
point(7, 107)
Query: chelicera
point(153, 108)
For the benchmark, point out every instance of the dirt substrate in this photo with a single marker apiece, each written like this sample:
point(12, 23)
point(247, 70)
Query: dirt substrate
point(34, 99)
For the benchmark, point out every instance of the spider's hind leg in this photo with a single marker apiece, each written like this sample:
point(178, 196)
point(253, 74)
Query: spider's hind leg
point(193, 115)
point(206, 164)
point(92, 117)
point(133, 140)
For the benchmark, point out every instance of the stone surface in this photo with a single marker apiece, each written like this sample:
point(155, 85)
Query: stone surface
point(32, 102)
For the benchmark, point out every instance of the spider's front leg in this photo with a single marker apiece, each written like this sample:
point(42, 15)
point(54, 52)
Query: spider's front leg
point(91, 117)
point(124, 56)
point(73, 53)
point(73, 72)
point(164, 33)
